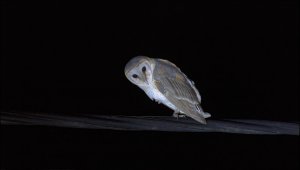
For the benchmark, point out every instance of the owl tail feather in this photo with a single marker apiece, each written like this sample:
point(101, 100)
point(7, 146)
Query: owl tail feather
point(202, 113)
point(198, 118)
point(206, 115)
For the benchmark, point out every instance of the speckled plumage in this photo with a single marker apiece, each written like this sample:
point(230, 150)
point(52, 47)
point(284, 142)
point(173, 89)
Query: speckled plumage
point(164, 82)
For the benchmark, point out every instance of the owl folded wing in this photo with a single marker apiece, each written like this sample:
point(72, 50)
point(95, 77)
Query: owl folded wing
point(181, 94)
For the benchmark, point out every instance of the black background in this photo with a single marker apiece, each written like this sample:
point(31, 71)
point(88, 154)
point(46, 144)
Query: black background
point(69, 57)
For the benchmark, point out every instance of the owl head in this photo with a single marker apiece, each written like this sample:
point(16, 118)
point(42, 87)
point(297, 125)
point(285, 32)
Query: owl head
point(138, 70)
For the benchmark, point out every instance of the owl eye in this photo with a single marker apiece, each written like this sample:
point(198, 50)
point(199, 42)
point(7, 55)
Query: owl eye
point(134, 76)
point(144, 69)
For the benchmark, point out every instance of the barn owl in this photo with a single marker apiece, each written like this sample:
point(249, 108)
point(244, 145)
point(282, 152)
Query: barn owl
point(164, 82)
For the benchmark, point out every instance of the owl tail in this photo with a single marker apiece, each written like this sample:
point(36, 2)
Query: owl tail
point(202, 113)
point(200, 117)
point(197, 117)
point(206, 115)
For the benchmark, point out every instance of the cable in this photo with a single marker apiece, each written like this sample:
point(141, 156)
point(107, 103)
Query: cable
point(150, 123)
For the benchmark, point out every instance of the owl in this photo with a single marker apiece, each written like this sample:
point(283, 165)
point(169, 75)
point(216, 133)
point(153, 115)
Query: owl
point(164, 82)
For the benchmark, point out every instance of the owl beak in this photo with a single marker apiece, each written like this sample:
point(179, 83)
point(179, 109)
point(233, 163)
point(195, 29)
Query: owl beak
point(145, 79)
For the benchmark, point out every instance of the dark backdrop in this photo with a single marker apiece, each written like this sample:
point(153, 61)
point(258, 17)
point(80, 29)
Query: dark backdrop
point(69, 57)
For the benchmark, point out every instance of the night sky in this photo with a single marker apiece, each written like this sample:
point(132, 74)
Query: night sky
point(69, 57)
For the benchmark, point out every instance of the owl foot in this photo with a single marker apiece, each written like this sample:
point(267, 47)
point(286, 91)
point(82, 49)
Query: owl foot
point(178, 115)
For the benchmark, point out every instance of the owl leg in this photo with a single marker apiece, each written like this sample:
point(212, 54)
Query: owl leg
point(176, 114)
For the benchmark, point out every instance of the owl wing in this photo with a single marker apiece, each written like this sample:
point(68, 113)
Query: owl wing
point(176, 87)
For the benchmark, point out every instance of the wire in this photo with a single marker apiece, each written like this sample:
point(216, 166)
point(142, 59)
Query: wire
point(150, 123)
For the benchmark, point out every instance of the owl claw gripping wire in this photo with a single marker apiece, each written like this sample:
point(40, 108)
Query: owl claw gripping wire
point(164, 82)
point(178, 115)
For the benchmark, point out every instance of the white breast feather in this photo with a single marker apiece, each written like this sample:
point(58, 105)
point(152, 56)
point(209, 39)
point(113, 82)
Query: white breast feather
point(155, 94)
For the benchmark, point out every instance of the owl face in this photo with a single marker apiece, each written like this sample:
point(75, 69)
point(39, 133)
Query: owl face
point(138, 70)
